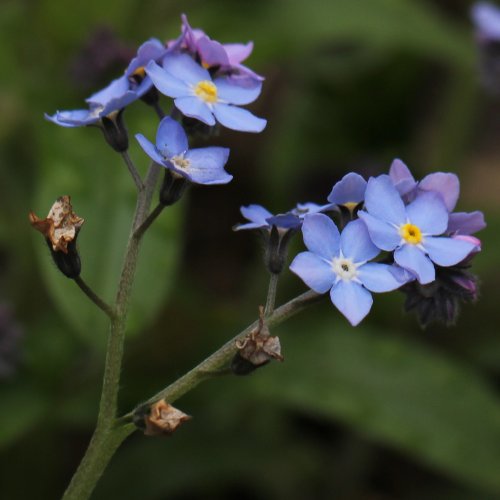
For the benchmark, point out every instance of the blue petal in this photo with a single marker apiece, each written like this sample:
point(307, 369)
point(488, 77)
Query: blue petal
point(228, 91)
point(486, 17)
point(414, 260)
point(257, 216)
point(383, 201)
point(184, 68)
point(356, 244)
point(195, 108)
point(385, 236)
point(285, 221)
point(448, 251)
point(171, 139)
point(152, 50)
point(206, 165)
point(466, 222)
point(150, 149)
point(114, 90)
point(313, 271)
point(428, 213)
point(381, 277)
point(350, 189)
point(302, 209)
point(401, 176)
point(74, 118)
point(446, 184)
point(352, 300)
point(165, 82)
point(321, 236)
point(238, 119)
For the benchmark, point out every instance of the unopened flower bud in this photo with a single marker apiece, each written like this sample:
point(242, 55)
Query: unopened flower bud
point(61, 228)
point(276, 240)
point(256, 349)
point(114, 130)
point(159, 419)
point(173, 188)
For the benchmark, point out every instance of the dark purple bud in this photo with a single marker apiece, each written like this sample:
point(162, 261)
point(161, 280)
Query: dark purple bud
point(173, 188)
point(114, 130)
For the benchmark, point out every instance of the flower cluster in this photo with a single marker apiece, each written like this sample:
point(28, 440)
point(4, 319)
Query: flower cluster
point(409, 227)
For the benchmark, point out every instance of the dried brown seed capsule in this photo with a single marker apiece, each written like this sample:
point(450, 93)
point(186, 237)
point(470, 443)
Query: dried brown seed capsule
point(159, 419)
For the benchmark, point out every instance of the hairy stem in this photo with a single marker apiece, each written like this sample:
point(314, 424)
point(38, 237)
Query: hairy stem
point(271, 294)
point(133, 171)
point(107, 309)
point(149, 220)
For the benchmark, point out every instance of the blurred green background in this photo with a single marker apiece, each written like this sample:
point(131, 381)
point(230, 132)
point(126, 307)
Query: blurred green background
point(383, 411)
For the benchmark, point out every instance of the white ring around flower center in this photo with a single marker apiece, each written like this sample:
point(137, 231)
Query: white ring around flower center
point(180, 162)
point(344, 268)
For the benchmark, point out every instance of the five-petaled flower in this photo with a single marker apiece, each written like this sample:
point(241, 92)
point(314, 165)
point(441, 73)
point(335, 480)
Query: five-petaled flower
point(413, 231)
point(339, 263)
point(196, 95)
point(201, 165)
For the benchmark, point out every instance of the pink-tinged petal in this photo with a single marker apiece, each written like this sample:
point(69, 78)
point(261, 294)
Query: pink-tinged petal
point(383, 235)
point(150, 149)
point(321, 235)
point(195, 108)
point(313, 271)
point(238, 119)
point(382, 277)
point(466, 222)
point(356, 244)
point(171, 138)
point(232, 93)
point(402, 178)
point(447, 185)
point(212, 53)
point(350, 189)
point(165, 82)
point(382, 200)
point(414, 260)
point(184, 68)
point(448, 251)
point(428, 213)
point(237, 52)
point(206, 165)
point(352, 300)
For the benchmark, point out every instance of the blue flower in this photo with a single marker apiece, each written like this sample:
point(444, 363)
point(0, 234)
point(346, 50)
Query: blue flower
point(196, 95)
point(486, 18)
point(412, 231)
point(118, 94)
point(201, 166)
point(339, 263)
point(349, 191)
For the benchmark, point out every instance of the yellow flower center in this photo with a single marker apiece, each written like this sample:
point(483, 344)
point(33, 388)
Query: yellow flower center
point(206, 91)
point(139, 72)
point(411, 234)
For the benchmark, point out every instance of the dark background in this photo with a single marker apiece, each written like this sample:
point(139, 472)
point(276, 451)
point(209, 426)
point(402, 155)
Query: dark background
point(383, 411)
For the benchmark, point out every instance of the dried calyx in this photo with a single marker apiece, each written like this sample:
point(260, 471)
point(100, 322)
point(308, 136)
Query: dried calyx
point(159, 419)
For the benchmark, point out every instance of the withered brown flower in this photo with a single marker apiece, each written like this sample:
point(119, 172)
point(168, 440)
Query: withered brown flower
point(163, 419)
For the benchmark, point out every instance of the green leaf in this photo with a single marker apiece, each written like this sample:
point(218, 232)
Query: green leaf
point(394, 391)
point(77, 162)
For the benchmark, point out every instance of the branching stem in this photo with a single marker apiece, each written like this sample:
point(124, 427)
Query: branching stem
point(95, 298)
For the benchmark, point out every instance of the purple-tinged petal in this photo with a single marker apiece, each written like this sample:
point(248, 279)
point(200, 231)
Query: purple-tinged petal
point(211, 52)
point(414, 260)
point(382, 277)
point(356, 244)
point(237, 52)
point(350, 189)
point(238, 119)
point(195, 108)
point(428, 213)
point(447, 185)
point(171, 139)
point(165, 82)
point(313, 271)
point(206, 165)
point(321, 235)
point(466, 222)
point(302, 209)
point(383, 201)
point(352, 300)
point(285, 221)
point(230, 92)
point(256, 213)
point(402, 178)
point(447, 251)
point(184, 68)
point(486, 17)
point(150, 149)
point(152, 50)
point(385, 236)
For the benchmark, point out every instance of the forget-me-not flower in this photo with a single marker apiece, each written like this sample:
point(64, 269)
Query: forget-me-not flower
point(196, 95)
point(339, 263)
point(200, 166)
point(413, 231)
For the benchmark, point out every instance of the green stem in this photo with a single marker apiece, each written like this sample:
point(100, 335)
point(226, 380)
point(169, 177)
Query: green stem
point(271, 294)
point(107, 309)
point(133, 171)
